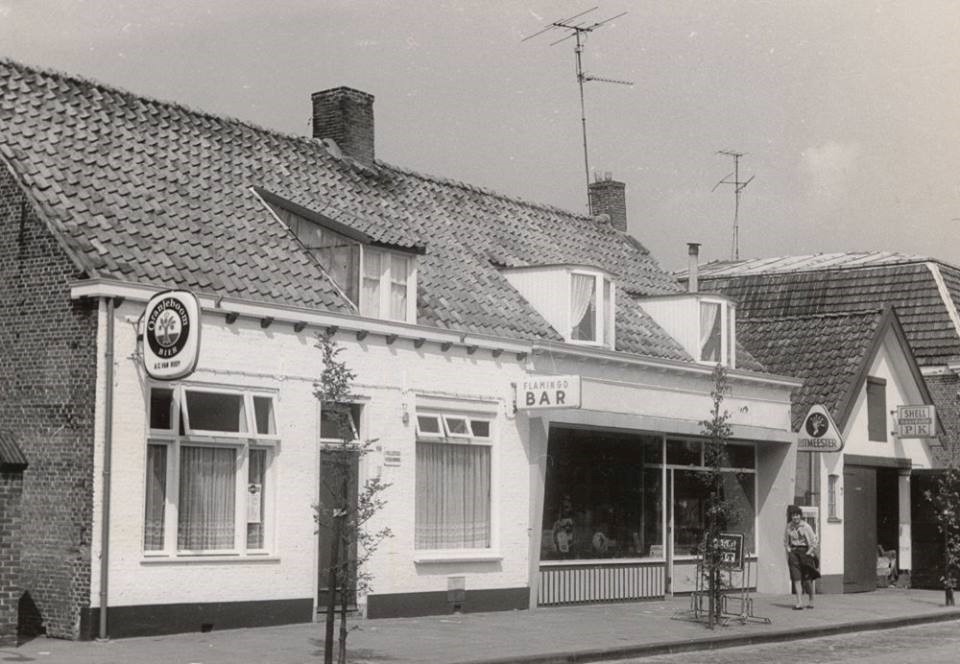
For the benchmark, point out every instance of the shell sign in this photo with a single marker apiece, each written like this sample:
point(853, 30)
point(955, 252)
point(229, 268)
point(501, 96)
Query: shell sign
point(171, 335)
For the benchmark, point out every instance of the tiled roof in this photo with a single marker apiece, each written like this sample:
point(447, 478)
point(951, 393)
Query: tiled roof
point(807, 285)
point(826, 351)
point(152, 192)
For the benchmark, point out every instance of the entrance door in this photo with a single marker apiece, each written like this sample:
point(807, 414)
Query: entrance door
point(333, 464)
point(859, 529)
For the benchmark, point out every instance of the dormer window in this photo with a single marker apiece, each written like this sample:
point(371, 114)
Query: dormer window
point(703, 324)
point(379, 281)
point(591, 308)
point(578, 301)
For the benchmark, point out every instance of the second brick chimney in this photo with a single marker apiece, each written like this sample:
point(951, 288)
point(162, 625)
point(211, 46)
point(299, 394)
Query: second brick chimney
point(346, 116)
point(609, 197)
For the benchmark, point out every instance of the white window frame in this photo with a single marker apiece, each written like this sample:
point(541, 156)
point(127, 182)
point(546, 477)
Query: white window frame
point(491, 551)
point(241, 442)
point(604, 310)
point(383, 307)
point(728, 331)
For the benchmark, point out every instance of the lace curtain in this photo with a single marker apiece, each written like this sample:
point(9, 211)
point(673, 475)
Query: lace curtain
point(207, 498)
point(582, 307)
point(709, 332)
point(453, 496)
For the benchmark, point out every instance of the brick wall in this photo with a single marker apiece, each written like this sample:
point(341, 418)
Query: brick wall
point(47, 380)
point(609, 197)
point(11, 487)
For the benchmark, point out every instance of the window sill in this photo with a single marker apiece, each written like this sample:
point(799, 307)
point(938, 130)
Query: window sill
point(193, 558)
point(834, 519)
point(457, 556)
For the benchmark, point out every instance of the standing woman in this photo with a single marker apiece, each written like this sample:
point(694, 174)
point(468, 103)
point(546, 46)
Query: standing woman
point(801, 544)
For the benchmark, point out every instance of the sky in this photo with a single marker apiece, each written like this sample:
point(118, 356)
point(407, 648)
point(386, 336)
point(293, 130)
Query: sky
point(847, 113)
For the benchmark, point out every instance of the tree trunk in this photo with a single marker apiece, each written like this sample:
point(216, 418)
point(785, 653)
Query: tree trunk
point(333, 576)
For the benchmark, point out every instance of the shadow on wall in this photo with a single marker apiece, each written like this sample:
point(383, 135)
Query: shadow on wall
point(29, 620)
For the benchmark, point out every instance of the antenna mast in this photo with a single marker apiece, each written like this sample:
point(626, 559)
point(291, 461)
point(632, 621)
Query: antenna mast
point(579, 31)
point(738, 187)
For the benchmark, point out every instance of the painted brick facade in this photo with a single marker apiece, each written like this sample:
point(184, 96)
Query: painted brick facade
point(47, 378)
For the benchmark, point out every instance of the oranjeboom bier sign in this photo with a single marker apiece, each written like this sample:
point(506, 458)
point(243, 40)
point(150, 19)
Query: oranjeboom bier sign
point(171, 335)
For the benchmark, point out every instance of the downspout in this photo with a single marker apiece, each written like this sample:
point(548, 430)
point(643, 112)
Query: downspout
point(107, 454)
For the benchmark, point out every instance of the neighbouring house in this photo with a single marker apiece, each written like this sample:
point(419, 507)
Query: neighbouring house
point(534, 380)
point(857, 366)
point(924, 293)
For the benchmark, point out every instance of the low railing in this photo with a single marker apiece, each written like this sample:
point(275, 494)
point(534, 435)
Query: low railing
point(600, 582)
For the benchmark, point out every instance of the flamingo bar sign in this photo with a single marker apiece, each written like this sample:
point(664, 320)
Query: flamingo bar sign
point(171, 335)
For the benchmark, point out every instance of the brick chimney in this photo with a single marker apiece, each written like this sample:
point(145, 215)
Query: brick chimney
point(346, 116)
point(609, 197)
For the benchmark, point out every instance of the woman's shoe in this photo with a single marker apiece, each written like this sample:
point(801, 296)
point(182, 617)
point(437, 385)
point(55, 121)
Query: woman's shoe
point(798, 608)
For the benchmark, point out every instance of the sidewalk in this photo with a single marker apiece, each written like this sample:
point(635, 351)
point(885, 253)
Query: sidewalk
point(543, 636)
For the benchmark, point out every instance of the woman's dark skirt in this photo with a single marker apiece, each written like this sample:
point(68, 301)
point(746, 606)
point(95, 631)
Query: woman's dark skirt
point(803, 567)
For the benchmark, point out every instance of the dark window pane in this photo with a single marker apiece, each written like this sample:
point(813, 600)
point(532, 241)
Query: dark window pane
point(481, 428)
point(161, 408)
point(683, 452)
point(740, 456)
point(263, 409)
point(211, 411)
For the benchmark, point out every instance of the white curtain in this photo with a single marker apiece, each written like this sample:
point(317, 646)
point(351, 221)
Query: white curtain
point(370, 301)
point(398, 287)
point(709, 331)
point(583, 293)
point(156, 497)
point(207, 498)
point(453, 496)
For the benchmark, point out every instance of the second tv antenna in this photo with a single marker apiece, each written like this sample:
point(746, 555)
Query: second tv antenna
point(578, 30)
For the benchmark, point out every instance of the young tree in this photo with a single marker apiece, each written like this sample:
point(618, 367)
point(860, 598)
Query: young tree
point(719, 511)
point(345, 518)
point(946, 500)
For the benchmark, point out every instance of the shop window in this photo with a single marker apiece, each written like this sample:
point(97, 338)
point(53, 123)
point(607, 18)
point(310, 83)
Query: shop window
point(453, 482)
point(208, 474)
point(877, 409)
point(690, 493)
point(603, 496)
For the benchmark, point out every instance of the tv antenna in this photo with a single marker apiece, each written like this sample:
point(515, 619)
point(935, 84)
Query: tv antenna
point(579, 31)
point(738, 187)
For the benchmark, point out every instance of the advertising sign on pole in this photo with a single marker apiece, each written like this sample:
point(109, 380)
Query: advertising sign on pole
point(916, 421)
point(171, 335)
point(818, 433)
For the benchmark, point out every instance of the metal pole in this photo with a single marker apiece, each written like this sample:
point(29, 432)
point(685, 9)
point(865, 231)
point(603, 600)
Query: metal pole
point(583, 118)
point(107, 454)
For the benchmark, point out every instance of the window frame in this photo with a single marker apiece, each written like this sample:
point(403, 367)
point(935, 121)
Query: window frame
point(242, 443)
point(604, 308)
point(445, 437)
point(384, 309)
point(876, 397)
point(728, 331)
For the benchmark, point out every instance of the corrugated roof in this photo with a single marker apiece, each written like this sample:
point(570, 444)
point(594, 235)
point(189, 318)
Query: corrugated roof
point(147, 191)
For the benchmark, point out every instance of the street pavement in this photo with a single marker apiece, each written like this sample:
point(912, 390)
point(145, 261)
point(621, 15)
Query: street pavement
point(542, 636)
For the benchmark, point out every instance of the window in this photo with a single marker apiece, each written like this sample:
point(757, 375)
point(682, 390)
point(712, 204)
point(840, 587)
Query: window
point(877, 409)
point(379, 282)
point(208, 474)
point(710, 337)
point(592, 309)
point(453, 493)
point(833, 481)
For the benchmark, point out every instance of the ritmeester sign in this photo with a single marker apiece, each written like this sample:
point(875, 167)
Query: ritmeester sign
point(171, 335)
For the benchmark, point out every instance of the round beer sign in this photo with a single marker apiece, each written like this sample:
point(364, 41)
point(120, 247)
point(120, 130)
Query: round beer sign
point(171, 334)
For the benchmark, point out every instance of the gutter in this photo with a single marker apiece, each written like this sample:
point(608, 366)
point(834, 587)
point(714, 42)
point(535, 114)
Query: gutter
point(107, 460)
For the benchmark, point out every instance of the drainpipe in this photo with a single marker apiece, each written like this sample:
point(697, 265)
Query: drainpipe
point(107, 453)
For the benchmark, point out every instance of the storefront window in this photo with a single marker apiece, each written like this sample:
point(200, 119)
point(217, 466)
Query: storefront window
point(603, 496)
point(690, 491)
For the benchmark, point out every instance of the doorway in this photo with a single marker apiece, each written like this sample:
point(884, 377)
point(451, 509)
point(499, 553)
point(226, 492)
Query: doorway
point(859, 529)
point(333, 464)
